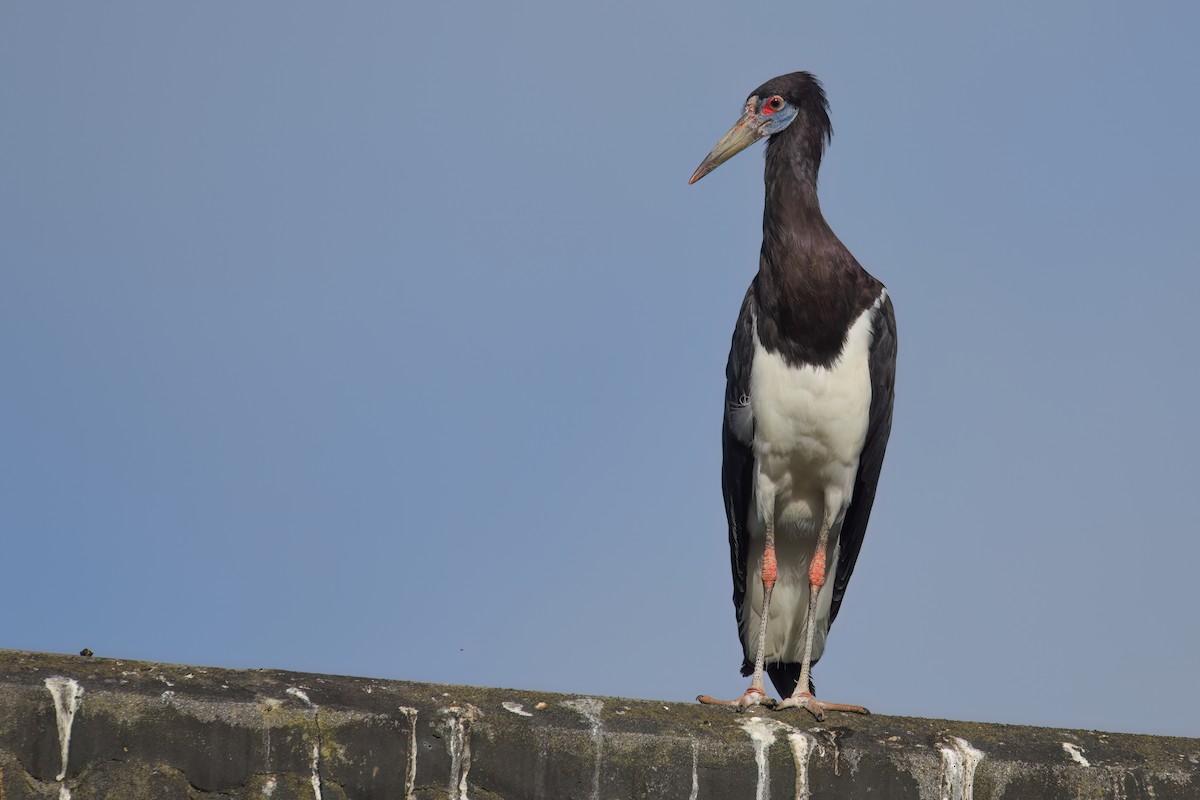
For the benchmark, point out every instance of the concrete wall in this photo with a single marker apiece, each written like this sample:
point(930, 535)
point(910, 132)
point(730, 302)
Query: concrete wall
point(82, 728)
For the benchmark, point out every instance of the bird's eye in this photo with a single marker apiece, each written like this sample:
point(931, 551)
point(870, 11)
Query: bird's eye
point(772, 105)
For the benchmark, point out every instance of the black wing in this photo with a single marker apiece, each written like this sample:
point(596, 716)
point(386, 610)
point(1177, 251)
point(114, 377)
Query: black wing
point(883, 381)
point(737, 462)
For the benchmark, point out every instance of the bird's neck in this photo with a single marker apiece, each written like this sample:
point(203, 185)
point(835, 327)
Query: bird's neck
point(791, 205)
point(808, 286)
point(801, 255)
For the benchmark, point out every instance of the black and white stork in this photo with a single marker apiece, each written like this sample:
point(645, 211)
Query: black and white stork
point(808, 405)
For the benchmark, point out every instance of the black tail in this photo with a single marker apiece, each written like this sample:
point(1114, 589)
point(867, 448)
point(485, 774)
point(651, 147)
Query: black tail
point(786, 676)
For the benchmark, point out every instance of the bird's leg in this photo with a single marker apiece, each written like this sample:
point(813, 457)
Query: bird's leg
point(770, 571)
point(801, 697)
point(757, 693)
point(816, 579)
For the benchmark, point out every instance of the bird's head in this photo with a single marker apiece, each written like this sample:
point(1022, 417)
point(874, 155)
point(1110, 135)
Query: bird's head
point(771, 109)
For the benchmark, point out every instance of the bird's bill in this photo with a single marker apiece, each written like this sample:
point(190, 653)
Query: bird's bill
point(745, 132)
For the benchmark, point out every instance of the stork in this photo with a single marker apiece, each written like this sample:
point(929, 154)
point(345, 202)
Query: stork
point(808, 405)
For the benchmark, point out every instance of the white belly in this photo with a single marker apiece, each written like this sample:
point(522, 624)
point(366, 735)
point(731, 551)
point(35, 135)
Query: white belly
point(810, 424)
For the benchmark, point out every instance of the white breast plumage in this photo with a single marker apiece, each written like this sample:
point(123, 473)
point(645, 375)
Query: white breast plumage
point(810, 422)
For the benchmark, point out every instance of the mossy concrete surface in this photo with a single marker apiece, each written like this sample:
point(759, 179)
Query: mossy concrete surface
point(82, 728)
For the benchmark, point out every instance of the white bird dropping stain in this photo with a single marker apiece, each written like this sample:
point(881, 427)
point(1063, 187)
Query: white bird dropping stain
point(959, 760)
point(410, 775)
point(316, 751)
point(802, 748)
point(590, 708)
point(1076, 752)
point(66, 693)
point(458, 721)
point(762, 736)
point(316, 771)
point(516, 708)
point(695, 771)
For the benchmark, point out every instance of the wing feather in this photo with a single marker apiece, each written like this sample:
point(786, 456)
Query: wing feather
point(737, 463)
point(883, 381)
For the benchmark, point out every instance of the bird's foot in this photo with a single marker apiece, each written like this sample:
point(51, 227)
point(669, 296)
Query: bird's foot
point(752, 697)
point(817, 707)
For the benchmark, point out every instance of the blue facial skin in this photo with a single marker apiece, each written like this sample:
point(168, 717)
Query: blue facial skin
point(778, 120)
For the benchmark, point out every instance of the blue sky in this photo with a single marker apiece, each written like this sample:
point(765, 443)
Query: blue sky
point(389, 339)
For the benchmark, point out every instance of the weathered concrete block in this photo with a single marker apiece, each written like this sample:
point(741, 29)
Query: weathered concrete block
point(83, 728)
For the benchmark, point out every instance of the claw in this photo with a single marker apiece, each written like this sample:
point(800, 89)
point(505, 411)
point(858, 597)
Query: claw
point(752, 697)
point(818, 707)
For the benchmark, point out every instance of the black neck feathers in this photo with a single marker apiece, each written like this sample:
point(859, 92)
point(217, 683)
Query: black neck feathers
point(809, 288)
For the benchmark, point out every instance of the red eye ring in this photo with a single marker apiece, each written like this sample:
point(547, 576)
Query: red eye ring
point(772, 105)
